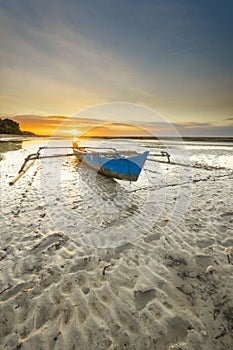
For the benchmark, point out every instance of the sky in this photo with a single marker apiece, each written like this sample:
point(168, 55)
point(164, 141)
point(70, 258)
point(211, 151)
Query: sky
point(60, 57)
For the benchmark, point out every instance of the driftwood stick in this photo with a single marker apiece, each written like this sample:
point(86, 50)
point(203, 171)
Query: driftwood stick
point(106, 267)
point(224, 332)
point(5, 289)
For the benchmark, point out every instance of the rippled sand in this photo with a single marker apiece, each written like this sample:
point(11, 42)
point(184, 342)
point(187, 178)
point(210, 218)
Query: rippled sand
point(91, 263)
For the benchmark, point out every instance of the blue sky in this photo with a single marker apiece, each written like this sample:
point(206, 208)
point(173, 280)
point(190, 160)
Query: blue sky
point(58, 57)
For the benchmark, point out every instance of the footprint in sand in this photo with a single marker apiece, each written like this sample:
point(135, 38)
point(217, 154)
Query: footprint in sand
point(141, 298)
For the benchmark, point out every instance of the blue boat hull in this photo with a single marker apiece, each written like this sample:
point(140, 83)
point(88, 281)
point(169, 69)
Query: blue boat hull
point(119, 168)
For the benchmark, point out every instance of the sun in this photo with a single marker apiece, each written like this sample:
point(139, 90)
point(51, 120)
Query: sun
point(74, 132)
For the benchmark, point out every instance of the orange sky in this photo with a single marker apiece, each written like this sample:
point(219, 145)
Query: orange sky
point(115, 130)
point(39, 125)
point(88, 122)
point(61, 125)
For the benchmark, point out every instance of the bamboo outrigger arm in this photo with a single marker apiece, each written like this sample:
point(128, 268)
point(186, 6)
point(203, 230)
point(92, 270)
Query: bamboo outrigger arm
point(166, 154)
point(22, 172)
point(162, 154)
point(33, 157)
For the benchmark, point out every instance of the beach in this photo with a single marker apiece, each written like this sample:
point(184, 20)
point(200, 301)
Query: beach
point(87, 262)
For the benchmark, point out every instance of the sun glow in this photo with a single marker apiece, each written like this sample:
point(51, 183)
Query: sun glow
point(74, 132)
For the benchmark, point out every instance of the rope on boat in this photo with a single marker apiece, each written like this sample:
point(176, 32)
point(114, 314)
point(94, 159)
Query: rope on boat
point(197, 166)
point(193, 181)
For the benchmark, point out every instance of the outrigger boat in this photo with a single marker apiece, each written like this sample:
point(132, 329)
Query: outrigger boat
point(112, 164)
point(108, 162)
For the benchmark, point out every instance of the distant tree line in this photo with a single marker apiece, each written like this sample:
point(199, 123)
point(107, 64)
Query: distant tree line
point(9, 126)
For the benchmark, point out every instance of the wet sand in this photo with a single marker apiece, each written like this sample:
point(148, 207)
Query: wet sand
point(88, 263)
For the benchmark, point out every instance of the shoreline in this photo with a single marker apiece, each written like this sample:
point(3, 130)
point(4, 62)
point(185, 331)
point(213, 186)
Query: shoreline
point(12, 137)
point(171, 138)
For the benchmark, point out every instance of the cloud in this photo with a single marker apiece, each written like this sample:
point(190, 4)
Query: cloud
point(188, 125)
point(39, 117)
point(62, 68)
point(167, 125)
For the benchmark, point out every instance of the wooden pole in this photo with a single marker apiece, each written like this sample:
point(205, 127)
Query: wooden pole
point(22, 173)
